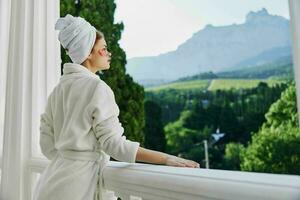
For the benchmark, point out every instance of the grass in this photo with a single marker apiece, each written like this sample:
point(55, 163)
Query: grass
point(227, 84)
point(185, 85)
point(215, 84)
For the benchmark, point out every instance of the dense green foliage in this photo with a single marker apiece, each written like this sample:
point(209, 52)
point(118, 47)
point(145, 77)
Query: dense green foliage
point(129, 95)
point(276, 147)
point(154, 133)
point(233, 156)
point(274, 150)
point(242, 101)
point(186, 142)
point(283, 111)
point(190, 117)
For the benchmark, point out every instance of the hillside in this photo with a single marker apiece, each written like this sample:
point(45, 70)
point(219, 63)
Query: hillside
point(279, 69)
point(227, 84)
point(182, 85)
point(215, 84)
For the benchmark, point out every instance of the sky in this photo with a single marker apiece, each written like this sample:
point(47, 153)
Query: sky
point(152, 27)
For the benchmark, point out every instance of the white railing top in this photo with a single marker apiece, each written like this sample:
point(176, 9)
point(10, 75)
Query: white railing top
point(163, 183)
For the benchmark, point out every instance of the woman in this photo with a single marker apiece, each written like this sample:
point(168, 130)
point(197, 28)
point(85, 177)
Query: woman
point(80, 128)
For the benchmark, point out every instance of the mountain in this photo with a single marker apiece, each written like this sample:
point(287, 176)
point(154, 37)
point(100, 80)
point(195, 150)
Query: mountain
point(281, 69)
point(271, 55)
point(217, 48)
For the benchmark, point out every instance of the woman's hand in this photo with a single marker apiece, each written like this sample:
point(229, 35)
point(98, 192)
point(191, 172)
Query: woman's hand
point(156, 157)
point(180, 162)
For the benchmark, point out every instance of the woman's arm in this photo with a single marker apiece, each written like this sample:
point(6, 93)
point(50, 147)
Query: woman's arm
point(156, 157)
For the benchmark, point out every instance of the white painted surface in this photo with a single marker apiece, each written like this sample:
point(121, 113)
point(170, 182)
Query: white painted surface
point(162, 182)
point(33, 69)
point(294, 6)
point(157, 182)
point(4, 38)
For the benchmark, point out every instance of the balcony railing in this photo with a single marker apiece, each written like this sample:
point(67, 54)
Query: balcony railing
point(156, 182)
point(166, 183)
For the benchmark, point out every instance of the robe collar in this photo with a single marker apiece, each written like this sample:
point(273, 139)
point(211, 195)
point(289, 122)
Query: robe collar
point(77, 69)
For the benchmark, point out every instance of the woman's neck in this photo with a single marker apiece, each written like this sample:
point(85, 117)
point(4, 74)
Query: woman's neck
point(88, 65)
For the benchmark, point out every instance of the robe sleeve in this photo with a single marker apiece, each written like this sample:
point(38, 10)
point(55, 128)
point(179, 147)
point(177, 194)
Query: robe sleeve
point(107, 128)
point(47, 133)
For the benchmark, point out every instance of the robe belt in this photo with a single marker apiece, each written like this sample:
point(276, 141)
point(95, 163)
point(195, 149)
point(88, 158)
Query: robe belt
point(88, 156)
point(81, 155)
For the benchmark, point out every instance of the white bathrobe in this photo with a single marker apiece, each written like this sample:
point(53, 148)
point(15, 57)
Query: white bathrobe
point(79, 131)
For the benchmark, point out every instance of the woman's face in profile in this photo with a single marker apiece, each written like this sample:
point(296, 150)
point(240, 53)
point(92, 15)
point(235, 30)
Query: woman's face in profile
point(101, 57)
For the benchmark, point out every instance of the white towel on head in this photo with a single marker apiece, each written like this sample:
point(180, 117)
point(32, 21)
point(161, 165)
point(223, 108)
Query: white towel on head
point(77, 35)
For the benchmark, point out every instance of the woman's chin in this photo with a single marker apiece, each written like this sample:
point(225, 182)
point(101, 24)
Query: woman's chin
point(104, 68)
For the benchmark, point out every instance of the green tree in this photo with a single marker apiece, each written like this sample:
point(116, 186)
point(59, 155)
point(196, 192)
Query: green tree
point(276, 147)
point(283, 111)
point(233, 155)
point(154, 132)
point(129, 95)
point(228, 124)
point(186, 142)
point(274, 150)
point(179, 138)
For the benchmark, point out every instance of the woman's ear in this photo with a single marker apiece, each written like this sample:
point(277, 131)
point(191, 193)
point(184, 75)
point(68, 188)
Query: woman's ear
point(100, 52)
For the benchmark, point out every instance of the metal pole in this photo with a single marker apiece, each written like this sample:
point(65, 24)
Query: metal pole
point(206, 154)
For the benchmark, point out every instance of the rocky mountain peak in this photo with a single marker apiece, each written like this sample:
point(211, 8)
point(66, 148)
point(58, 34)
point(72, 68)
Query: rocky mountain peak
point(261, 17)
point(255, 16)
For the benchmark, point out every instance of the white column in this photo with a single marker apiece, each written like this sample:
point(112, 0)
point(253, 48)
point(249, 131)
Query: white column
point(294, 7)
point(33, 69)
point(4, 37)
